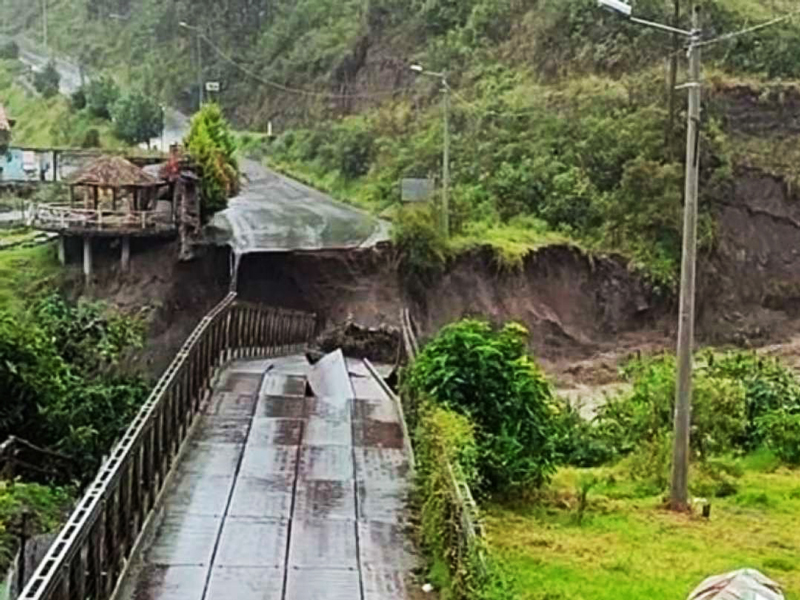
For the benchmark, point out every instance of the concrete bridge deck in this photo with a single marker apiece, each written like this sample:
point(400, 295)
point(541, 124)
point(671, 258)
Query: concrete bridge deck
point(293, 487)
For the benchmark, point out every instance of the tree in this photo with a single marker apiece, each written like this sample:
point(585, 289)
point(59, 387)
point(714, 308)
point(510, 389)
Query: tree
point(48, 81)
point(101, 96)
point(213, 148)
point(137, 118)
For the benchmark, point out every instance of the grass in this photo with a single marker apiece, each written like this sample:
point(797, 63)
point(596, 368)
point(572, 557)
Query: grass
point(25, 272)
point(629, 547)
point(46, 122)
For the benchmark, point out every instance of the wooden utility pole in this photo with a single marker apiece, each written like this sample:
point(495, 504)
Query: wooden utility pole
point(679, 498)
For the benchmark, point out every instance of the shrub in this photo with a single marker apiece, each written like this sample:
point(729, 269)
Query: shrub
point(47, 81)
point(577, 441)
point(9, 51)
point(421, 248)
point(101, 96)
point(781, 431)
point(212, 146)
point(91, 139)
point(447, 463)
point(62, 388)
point(487, 375)
point(137, 118)
point(78, 99)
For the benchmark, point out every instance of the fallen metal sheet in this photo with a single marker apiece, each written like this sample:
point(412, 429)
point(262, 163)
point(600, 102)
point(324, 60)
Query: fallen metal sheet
point(385, 503)
point(329, 378)
point(378, 434)
point(236, 382)
point(231, 404)
point(377, 410)
point(328, 431)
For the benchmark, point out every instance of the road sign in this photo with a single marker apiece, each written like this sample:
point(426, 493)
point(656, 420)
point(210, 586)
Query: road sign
point(417, 190)
point(212, 86)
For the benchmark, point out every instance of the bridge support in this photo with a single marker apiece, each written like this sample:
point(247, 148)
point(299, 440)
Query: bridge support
point(125, 262)
point(62, 250)
point(87, 259)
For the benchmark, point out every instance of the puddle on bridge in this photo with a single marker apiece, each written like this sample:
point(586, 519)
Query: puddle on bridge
point(286, 497)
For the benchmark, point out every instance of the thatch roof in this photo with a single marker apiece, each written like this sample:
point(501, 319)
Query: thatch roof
point(5, 124)
point(112, 171)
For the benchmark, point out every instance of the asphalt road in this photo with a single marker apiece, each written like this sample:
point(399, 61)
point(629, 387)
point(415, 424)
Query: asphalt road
point(273, 213)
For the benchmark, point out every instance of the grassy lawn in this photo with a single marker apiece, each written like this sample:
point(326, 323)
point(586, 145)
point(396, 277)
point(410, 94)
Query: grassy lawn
point(24, 272)
point(631, 548)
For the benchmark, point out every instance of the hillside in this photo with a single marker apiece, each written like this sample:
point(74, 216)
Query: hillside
point(560, 121)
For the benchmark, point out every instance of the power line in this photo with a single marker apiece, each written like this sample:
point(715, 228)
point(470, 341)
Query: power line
point(730, 36)
point(284, 88)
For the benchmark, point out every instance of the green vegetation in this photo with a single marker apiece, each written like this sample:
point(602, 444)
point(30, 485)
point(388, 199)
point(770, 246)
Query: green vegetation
point(577, 508)
point(212, 146)
point(629, 547)
point(44, 505)
point(25, 273)
point(137, 118)
point(560, 113)
point(488, 376)
point(47, 81)
point(47, 122)
point(59, 370)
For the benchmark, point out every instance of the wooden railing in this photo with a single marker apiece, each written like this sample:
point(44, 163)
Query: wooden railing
point(90, 554)
point(59, 217)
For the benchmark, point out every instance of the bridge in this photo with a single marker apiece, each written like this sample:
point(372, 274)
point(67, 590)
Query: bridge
point(249, 473)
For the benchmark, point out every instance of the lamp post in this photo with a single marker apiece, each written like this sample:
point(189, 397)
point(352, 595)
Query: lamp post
point(197, 31)
point(679, 493)
point(445, 216)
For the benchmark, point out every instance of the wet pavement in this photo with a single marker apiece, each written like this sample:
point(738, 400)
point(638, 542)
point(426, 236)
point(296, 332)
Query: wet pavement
point(276, 214)
point(294, 487)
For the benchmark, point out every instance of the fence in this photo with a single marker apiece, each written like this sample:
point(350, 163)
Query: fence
point(88, 558)
point(61, 218)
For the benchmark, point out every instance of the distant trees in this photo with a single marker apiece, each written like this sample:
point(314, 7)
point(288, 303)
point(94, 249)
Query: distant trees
point(101, 96)
point(212, 146)
point(9, 51)
point(47, 81)
point(137, 118)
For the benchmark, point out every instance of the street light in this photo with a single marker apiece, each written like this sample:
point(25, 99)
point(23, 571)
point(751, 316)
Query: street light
point(445, 216)
point(198, 33)
point(679, 494)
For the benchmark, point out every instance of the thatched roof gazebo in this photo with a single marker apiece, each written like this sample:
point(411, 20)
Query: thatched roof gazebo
point(116, 174)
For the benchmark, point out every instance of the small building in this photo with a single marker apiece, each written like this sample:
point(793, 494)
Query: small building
point(111, 198)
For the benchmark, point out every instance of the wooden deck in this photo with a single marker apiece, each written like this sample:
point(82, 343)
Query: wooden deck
point(67, 220)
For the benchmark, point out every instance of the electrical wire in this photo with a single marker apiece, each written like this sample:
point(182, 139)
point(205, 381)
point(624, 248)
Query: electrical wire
point(736, 34)
point(288, 89)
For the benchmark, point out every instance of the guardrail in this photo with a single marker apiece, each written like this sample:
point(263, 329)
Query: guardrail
point(56, 217)
point(88, 558)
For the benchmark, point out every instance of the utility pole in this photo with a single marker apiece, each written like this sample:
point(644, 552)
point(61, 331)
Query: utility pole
point(679, 496)
point(200, 82)
point(198, 50)
point(446, 160)
point(444, 219)
point(44, 25)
